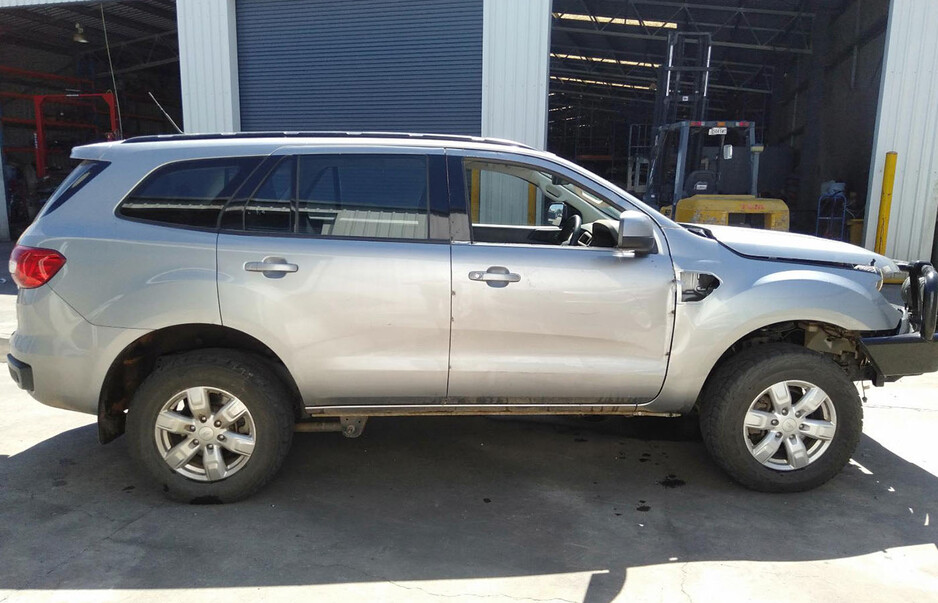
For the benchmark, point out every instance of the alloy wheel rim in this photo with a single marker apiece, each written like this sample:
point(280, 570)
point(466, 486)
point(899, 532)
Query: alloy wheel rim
point(790, 425)
point(205, 434)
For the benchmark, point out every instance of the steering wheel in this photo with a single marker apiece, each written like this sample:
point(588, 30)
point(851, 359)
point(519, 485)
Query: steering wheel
point(577, 233)
point(571, 226)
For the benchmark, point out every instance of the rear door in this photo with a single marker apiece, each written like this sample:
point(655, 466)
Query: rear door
point(339, 262)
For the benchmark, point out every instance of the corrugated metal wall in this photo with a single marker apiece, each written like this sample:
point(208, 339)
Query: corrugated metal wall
point(515, 63)
point(907, 122)
point(362, 65)
point(207, 65)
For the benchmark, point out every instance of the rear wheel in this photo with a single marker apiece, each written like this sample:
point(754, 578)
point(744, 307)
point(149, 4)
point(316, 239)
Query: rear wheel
point(779, 418)
point(210, 426)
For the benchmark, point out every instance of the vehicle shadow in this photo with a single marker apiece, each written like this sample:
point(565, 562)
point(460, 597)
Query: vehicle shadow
point(439, 498)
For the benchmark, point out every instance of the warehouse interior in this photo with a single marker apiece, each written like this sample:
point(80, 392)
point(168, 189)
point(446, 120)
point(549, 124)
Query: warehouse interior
point(78, 73)
point(806, 72)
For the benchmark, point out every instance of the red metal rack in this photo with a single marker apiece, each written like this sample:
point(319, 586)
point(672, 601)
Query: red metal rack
point(41, 123)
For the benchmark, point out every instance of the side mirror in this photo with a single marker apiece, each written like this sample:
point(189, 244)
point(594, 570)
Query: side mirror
point(727, 151)
point(636, 233)
point(555, 214)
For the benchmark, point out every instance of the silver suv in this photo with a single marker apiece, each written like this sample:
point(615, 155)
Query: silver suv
point(211, 294)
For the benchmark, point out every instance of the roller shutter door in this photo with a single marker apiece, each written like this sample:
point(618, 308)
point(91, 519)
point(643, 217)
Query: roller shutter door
point(361, 65)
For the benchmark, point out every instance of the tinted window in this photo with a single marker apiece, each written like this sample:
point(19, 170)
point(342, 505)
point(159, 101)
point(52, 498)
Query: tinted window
point(271, 207)
point(190, 193)
point(382, 196)
point(80, 176)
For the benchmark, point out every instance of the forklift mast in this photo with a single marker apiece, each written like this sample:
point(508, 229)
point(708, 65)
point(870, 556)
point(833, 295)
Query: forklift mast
point(684, 81)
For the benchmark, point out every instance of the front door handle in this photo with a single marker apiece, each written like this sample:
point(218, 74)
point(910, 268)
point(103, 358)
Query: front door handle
point(495, 276)
point(272, 267)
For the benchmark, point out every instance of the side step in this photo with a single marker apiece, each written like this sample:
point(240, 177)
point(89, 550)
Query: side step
point(350, 427)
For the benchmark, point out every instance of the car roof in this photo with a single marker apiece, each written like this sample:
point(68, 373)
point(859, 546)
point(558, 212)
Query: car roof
point(261, 142)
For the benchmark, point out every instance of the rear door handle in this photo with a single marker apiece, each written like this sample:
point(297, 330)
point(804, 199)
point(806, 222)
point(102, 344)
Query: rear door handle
point(271, 267)
point(495, 276)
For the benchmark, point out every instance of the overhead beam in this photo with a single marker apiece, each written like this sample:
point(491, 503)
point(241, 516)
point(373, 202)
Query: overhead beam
point(163, 34)
point(612, 77)
point(571, 47)
point(635, 80)
point(154, 10)
point(22, 14)
point(27, 42)
point(94, 18)
point(622, 99)
point(725, 8)
point(664, 39)
point(139, 67)
point(740, 89)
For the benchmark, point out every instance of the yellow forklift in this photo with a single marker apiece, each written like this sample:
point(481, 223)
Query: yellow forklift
point(707, 172)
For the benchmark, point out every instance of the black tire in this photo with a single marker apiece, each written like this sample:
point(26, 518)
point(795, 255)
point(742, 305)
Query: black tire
point(733, 387)
point(240, 374)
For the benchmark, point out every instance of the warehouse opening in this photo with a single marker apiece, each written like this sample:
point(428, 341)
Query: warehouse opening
point(794, 82)
point(77, 73)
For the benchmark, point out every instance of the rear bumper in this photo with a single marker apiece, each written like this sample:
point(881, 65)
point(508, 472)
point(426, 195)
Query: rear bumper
point(57, 356)
point(913, 353)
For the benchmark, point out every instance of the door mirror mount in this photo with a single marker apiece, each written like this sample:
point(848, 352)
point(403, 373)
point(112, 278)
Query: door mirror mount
point(636, 233)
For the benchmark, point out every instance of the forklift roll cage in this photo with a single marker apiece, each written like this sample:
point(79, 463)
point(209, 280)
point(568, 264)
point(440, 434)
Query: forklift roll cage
point(683, 130)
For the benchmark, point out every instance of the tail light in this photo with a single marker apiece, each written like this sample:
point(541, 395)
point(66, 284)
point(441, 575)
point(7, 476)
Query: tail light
point(31, 267)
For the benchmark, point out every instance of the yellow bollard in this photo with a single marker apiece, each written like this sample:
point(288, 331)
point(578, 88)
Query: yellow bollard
point(885, 202)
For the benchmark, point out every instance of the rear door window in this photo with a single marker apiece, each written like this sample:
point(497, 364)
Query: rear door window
point(350, 195)
point(271, 208)
point(374, 196)
point(188, 193)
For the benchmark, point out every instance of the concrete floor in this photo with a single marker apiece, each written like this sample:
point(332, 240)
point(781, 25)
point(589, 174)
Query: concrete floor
point(467, 509)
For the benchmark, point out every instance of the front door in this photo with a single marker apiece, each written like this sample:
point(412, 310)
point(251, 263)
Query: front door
point(339, 263)
point(538, 316)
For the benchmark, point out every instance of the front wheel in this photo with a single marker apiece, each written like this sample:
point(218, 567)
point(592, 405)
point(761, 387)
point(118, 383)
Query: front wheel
point(780, 418)
point(210, 426)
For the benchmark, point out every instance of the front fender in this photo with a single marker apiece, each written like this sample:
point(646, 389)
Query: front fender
point(835, 296)
point(756, 294)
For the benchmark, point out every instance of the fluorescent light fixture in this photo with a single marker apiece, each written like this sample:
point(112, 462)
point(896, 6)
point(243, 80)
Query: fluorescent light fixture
point(617, 21)
point(578, 57)
point(577, 80)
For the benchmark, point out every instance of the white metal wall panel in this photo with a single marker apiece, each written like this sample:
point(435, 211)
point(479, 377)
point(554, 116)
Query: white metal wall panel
point(515, 62)
point(208, 65)
point(503, 199)
point(907, 122)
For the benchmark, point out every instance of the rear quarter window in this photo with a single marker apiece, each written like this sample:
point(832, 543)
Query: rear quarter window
point(187, 193)
point(83, 173)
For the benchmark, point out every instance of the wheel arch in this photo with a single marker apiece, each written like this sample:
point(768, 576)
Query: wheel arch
point(830, 339)
point(138, 359)
point(692, 367)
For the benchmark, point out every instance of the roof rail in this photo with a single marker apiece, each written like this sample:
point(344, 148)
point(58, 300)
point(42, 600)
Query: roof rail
point(326, 134)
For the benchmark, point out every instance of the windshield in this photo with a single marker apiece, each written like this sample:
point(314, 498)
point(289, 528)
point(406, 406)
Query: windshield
point(605, 207)
point(617, 191)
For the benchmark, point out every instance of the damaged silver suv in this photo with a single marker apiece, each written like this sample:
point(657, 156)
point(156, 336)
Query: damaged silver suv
point(210, 294)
